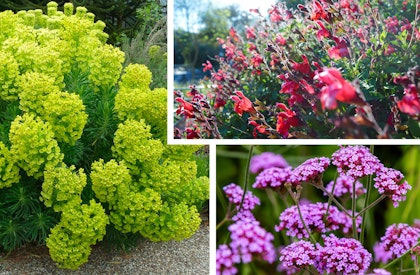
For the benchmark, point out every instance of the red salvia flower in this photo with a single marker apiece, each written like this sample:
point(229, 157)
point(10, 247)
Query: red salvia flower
point(285, 119)
point(318, 11)
point(410, 102)
point(275, 15)
point(340, 50)
point(207, 66)
point(258, 128)
point(336, 88)
point(242, 104)
point(250, 33)
point(185, 108)
point(323, 32)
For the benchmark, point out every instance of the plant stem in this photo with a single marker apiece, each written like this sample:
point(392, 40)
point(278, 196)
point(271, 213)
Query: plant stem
point(378, 200)
point(296, 200)
point(339, 205)
point(368, 189)
point(245, 188)
point(353, 211)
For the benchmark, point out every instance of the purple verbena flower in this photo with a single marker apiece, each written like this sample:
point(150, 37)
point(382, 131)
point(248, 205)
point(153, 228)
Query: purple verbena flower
point(314, 217)
point(249, 239)
point(387, 181)
point(342, 256)
point(266, 160)
point(297, 255)
point(234, 194)
point(273, 177)
point(397, 240)
point(379, 271)
point(344, 185)
point(226, 260)
point(310, 170)
point(356, 161)
point(244, 215)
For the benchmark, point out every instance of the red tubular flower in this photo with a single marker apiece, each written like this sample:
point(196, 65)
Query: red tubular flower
point(285, 119)
point(340, 50)
point(318, 11)
point(250, 33)
point(410, 102)
point(337, 88)
point(307, 87)
point(304, 67)
point(193, 133)
point(280, 40)
point(256, 60)
point(185, 108)
point(207, 66)
point(275, 15)
point(258, 128)
point(242, 104)
point(323, 32)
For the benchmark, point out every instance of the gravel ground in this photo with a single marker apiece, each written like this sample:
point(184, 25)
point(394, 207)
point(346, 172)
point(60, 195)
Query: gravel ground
point(190, 256)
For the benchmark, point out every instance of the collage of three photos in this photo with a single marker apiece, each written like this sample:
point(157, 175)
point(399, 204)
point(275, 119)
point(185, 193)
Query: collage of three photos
point(233, 137)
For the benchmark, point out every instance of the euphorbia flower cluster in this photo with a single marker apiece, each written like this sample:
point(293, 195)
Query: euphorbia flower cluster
point(320, 70)
point(323, 237)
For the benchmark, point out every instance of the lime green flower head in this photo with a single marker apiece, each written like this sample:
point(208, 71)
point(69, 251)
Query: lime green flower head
point(9, 171)
point(33, 145)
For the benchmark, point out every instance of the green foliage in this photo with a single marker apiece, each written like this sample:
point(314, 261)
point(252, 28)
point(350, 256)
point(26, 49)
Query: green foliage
point(23, 218)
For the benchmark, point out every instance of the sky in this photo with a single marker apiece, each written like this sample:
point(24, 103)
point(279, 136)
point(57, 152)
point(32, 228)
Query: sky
point(262, 5)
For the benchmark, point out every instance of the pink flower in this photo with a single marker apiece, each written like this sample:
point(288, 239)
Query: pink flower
point(275, 15)
point(323, 32)
point(207, 66)
point(256, 60)
point(410, 102)
point(318, 11)
point(336, 88)
point(242, 104)
point(340, 50)
point(280, 40)
point(262, 129)
point(389, 50)
point(285, 119)
point(185, 108)
point(250, 33)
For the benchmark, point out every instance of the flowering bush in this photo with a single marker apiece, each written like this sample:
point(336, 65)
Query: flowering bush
point(329, 236)
point(328, 69)
point(83, 156)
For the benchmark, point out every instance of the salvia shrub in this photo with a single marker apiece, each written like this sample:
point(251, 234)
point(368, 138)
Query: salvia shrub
point(83, 149)
point(326, 69)
point(322, 237)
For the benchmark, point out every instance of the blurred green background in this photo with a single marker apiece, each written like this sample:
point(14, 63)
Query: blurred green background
point(231, 165)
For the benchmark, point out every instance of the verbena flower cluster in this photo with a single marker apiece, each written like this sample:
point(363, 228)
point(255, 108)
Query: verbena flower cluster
point(398, 239)
point(324, 236)
point(342, 255)
point(316, 218)
point(326, 69)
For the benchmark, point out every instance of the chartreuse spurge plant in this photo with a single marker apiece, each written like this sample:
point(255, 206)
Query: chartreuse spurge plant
point(83, 148)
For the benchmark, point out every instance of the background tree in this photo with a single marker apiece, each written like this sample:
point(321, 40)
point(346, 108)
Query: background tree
point(197, 29)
